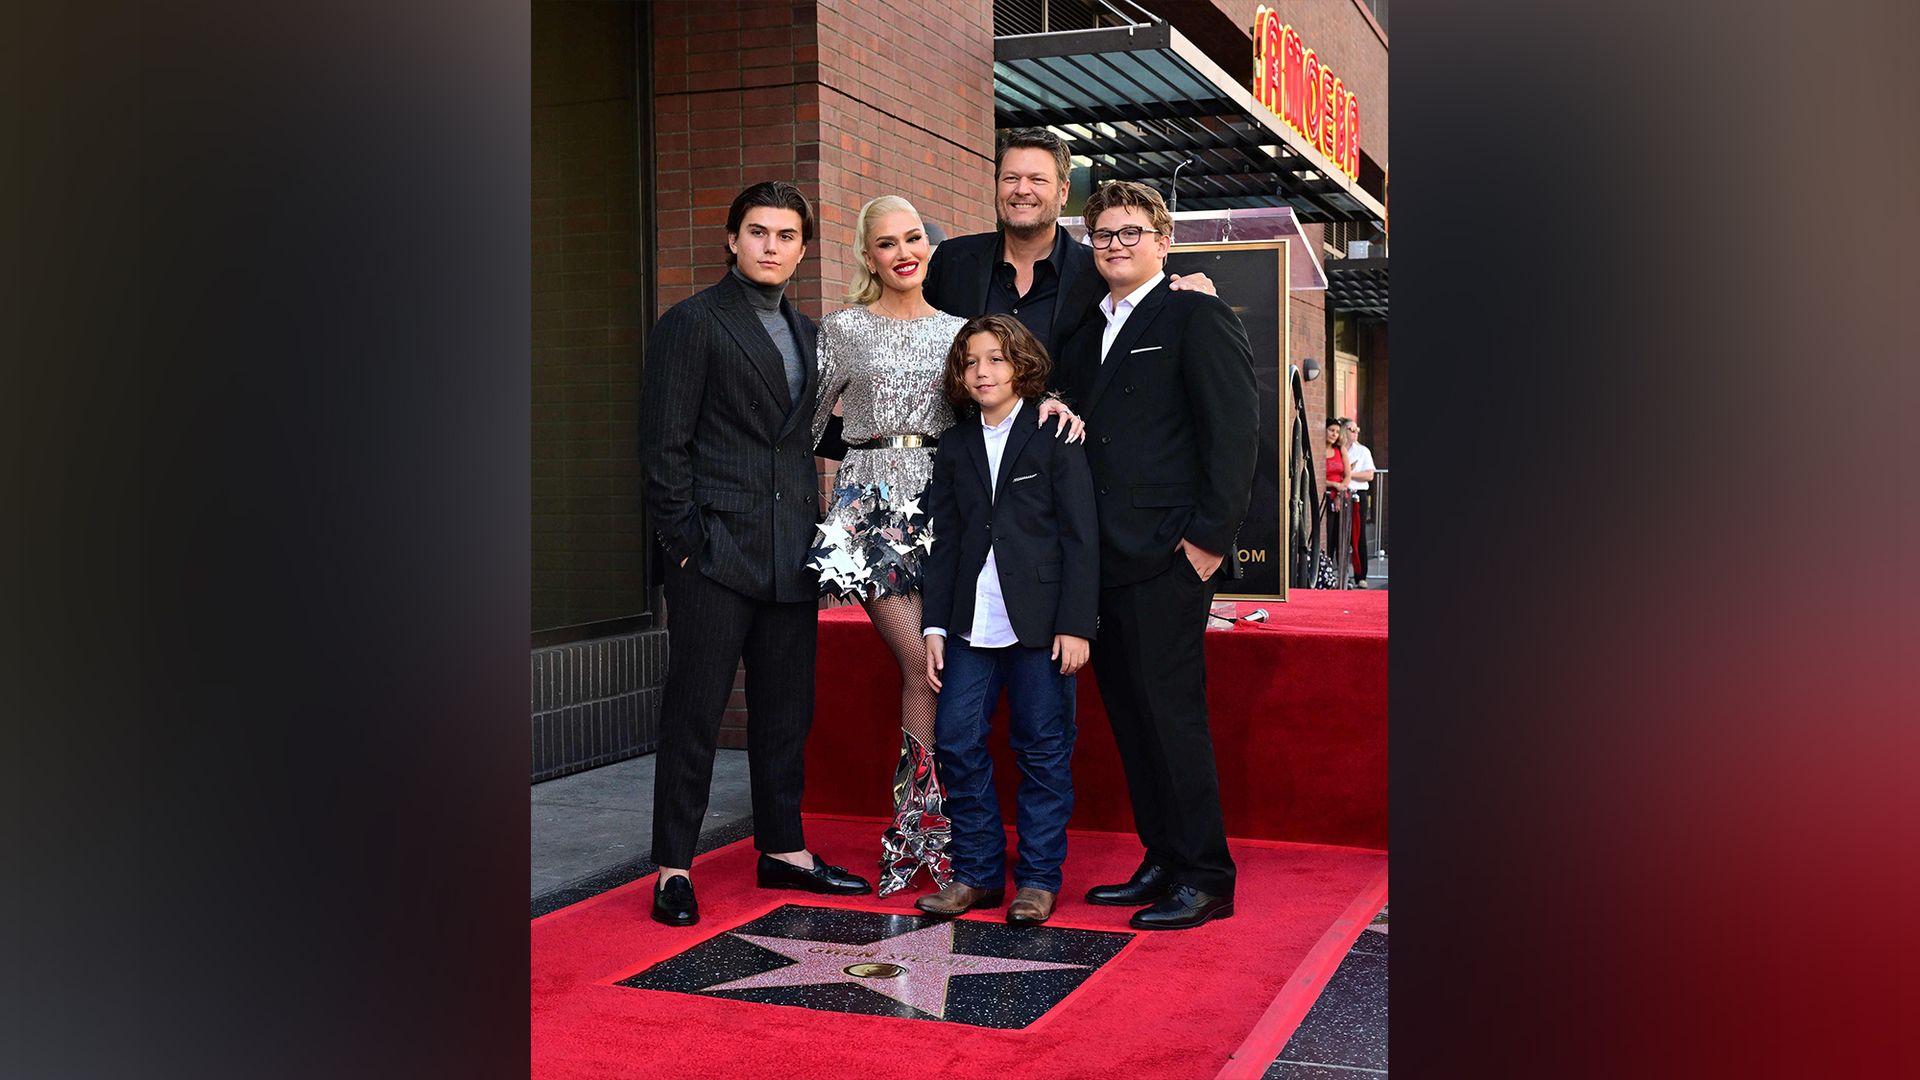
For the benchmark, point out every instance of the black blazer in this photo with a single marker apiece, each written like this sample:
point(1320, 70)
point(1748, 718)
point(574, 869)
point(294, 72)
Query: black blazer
point(1040, 521)
point(961, 272)
point(1173, 428)
point(729, 461)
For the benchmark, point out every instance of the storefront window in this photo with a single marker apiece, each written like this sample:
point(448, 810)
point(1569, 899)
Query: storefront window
point(588, 534)
point(1379, 10)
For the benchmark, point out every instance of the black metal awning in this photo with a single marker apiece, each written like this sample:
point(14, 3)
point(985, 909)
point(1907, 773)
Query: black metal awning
point(1358, 285)
point(1137, 101)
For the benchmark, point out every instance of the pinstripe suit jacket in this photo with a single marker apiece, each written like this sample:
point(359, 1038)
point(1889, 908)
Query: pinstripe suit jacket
point(730, 475)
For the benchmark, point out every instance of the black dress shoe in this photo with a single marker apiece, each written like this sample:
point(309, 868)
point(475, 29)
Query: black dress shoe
point(673, 902)
point(1182, 909)
point(1149, 883)
point(833, 880)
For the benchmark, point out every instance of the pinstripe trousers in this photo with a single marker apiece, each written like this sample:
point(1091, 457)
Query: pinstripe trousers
point(710, 630)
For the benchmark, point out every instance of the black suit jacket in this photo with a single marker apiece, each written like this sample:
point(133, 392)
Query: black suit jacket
point(1039, 520)
point(728, 455)
point(961, 272)
point(1173, 428)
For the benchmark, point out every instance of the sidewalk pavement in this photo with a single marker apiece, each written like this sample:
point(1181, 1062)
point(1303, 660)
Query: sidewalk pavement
point(593, 830)
point(1377, 572)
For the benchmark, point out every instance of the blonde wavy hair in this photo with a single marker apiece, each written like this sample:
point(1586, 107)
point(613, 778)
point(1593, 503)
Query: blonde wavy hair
point(865, 287)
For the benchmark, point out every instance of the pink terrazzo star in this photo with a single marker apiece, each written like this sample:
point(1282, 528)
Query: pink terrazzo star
point(926, 955)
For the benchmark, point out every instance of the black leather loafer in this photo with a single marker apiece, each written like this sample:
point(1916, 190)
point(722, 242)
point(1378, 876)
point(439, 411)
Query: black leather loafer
point(832, 880)
point(673, 902)
point(1182, 909)
point(1148, 884)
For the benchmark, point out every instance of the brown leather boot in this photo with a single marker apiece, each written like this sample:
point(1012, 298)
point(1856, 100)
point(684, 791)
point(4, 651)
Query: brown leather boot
point(958, 899)
point(1030, 907)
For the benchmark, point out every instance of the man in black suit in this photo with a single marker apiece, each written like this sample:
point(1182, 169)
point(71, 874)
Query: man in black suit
point(730, 388)
point(1165, 381)
point(1028, 267)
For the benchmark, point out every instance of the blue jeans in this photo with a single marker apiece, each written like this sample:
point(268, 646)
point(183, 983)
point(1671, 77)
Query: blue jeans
point(1041, 733)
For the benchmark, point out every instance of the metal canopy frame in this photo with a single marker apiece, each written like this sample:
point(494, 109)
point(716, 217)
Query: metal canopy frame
point(1137, 101)
point(1358, 285)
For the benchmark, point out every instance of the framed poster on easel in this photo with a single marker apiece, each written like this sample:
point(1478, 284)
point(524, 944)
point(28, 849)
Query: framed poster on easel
point(1251, 276)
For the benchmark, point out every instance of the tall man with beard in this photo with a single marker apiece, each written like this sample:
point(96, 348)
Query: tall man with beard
point(1029, 267)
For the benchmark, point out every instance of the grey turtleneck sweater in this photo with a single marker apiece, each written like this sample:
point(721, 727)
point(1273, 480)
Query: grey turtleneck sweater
point(766, 304)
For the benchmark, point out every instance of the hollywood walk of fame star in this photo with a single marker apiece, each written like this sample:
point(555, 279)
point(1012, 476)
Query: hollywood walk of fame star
point(925, 957)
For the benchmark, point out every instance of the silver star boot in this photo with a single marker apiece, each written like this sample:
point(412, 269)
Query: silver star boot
point(920, 830)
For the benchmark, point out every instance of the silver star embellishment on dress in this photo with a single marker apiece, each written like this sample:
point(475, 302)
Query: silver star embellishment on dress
point(909, 508)
point(913, 968)
point(839, 568)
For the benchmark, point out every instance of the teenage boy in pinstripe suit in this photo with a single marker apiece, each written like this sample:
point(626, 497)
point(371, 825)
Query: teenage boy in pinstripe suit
point(724, 418)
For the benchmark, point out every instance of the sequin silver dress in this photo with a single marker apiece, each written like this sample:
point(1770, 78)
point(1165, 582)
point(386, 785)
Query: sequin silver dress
point(886, 374)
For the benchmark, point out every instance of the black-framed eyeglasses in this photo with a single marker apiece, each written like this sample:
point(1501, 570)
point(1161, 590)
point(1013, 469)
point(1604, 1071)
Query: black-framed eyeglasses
point(1129, 236)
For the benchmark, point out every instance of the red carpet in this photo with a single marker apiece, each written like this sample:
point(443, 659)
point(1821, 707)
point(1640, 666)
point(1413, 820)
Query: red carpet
point(1170, 1005)
point(1298, 706)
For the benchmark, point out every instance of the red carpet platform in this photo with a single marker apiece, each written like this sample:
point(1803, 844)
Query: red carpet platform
point(1298, 706)
point(1191, 1004)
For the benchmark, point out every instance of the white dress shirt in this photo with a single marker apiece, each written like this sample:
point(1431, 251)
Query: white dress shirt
point(1358, 458)
point(1117, 313)
point(990, 630)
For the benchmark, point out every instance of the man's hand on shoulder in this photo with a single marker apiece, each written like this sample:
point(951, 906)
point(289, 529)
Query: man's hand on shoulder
point(1199, 283)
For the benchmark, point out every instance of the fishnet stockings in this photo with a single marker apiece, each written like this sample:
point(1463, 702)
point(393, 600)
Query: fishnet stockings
point(898, 620)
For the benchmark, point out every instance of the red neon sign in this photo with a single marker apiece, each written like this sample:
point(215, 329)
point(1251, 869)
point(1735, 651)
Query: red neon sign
point(1290, 81)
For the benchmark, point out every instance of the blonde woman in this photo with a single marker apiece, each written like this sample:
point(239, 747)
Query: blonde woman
point(882, 361)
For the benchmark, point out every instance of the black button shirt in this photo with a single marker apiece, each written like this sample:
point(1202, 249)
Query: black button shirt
point(1035, 309)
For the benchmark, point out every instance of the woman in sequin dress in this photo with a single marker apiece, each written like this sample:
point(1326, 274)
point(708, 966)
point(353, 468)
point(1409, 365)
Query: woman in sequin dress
point(881, 361)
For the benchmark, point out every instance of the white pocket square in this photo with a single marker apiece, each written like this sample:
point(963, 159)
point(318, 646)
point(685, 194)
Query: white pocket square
point(1029, 476)
point(1149, 348)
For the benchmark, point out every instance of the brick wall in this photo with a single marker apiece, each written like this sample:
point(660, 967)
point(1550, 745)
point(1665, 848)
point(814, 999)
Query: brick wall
point(906, 107)
point(729, 80)
point(849, 99)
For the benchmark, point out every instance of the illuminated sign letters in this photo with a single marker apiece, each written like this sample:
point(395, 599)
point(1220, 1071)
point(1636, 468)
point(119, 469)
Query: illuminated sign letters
point(1292, 83)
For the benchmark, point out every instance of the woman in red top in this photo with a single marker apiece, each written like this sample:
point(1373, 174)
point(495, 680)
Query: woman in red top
point(1334, 517)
